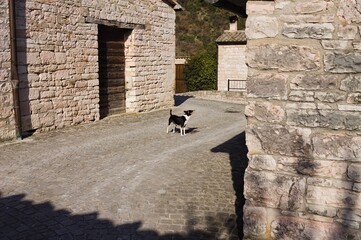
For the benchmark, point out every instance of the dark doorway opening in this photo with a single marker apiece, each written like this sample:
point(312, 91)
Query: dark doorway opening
point(111, 70)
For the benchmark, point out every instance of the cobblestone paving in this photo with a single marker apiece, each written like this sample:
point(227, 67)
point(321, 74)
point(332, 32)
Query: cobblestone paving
point(124, 178)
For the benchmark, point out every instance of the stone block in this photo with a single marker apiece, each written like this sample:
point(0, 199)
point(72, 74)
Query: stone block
point(350, 11)
point(322, 210)
point(354, 98)
point(284, 140)
point(262, 162)
point(354, 172)
point(286, 227)
point(264, 85)
point(339, 198)
point(330, 97)
point(314, 82)
point(254, 221)
point(253, 143)
point(310, 7)
point(337, 146)
point(301, 96)
point(260, 8)
point(283, 57)
point(348, 32)
point(335, 44)
point(265, 111)
point(342, 62)
point(348, 107)
point(308, 30)
point(351, 83)
point(275, 190)
point(261, 27)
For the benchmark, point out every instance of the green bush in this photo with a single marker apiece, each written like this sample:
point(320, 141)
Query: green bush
point(201, 70)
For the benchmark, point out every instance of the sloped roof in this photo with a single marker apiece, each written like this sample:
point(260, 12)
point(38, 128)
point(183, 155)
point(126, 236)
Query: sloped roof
point(232, 37)
point(235, 6)
point(174, 4)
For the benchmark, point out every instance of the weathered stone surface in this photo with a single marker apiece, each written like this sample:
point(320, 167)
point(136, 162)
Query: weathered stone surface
point(282, 140)
point(330, 97)
point(260, 8)
point(297, 229)
point(255, 221)
point(253, 143)
point(330, 183)
point(283, 57)
point(271, 86)
point(265, 111)
point(354, 172)
point(337, 146)
point(314, 82)
point(263, 162)
point(350, 214)
point(307, 18)
point(335, 44)
point(337, 197)
point(261, 27)
point(310, 6)
point(322, 210)
point(350, 11)
point(348, 32)
point(274, 190)
point(351, 83)
point(301, 96)
point(348, 107)
point(308, 30)
point(354, 98)
point(341, 62)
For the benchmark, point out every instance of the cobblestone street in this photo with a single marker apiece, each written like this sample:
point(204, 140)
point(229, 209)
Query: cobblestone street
point(124, 177)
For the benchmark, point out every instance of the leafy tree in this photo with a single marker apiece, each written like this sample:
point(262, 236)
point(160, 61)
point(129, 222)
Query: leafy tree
point(201, 69)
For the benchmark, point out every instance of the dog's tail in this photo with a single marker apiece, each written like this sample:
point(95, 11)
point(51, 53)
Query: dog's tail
point(170, 112)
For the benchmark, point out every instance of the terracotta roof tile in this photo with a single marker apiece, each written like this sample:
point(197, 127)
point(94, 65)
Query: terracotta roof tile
point(232, 37)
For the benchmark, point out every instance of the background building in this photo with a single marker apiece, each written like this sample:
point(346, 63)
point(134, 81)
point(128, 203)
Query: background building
point(69, 62)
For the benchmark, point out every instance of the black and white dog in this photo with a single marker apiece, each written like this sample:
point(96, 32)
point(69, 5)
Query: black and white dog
point(180, 121)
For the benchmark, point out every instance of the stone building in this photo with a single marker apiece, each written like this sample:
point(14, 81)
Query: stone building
point(232, 68)
point(303, 179)
point(69, 62)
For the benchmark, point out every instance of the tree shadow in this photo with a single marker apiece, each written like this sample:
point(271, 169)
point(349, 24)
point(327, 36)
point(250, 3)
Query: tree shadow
point(24, 219)
point(237, 150)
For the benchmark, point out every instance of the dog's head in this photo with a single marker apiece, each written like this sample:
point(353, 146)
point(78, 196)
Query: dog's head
point(188, 112)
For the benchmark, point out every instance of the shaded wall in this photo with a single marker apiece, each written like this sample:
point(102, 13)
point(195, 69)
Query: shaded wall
point(304, 120)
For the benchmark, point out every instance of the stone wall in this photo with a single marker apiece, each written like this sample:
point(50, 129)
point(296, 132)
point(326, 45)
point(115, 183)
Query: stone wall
point(58, 59)
point(304, 120)
point(7, 121)
point(231, 64)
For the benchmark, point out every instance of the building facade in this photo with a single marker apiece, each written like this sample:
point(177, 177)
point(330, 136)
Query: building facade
point(232, 69)
point(78, 61)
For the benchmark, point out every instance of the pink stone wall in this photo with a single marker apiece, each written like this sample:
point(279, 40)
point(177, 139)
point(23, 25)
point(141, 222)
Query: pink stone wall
point(304, 120)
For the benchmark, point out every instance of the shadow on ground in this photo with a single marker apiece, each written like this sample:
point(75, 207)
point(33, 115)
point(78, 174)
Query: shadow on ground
point(237, 150)
point(179, 100)
point(24, 219)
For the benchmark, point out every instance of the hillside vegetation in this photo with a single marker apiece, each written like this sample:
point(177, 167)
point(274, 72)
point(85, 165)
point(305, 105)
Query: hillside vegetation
point(199, 25)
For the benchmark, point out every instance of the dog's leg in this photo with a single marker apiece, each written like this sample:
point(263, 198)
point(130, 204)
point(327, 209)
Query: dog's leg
point(168, 129)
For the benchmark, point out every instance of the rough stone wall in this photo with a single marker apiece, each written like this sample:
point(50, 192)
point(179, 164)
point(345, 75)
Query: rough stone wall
point(231, 64)
point(58, 58)
point(7, 121)
point(304, 120)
